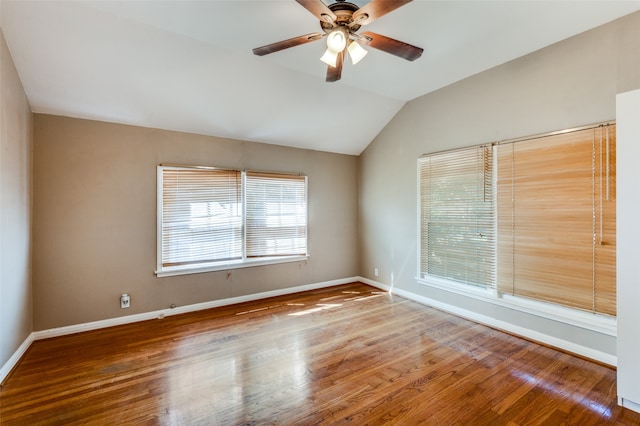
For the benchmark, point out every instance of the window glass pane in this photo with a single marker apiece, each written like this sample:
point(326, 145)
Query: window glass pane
point(201, 216)
point(457, 216)
point(276, 214)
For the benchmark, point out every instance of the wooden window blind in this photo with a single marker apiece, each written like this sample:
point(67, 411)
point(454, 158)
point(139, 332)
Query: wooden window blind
point(276, 214)
point(457, 216)
point(201, 218)
point(556, 219)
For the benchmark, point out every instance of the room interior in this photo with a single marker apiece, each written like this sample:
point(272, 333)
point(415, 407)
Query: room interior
point(95, 95)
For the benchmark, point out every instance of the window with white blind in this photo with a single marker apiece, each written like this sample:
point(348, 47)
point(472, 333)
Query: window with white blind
point(211, 219)
point(457, 240)
point(531, 220)
point(276, 212)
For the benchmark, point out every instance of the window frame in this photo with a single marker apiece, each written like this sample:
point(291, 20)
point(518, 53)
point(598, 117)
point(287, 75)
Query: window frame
point(601, 323)
point(225, 265)
point(463, 158)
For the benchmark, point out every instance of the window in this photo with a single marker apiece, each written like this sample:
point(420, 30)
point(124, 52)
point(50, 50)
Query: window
point(556, 219)
point(210, 218)
point(276, 214)
point(201, 219)
point(457, 216)
point(531, 219)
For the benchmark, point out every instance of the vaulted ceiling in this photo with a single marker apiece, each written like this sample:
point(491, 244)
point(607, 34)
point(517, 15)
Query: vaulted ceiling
point(188, 65)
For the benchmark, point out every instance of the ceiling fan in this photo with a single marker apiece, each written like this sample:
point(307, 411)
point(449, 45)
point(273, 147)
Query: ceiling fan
point(340, 22)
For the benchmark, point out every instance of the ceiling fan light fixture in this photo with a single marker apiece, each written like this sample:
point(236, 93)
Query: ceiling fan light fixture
point(356, 52)
point(340, 22)
point(337, 40)
point(330, 57)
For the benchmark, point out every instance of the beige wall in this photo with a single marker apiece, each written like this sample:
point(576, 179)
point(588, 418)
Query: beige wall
point(95, 219)
point(571, 83)
point(16, 319)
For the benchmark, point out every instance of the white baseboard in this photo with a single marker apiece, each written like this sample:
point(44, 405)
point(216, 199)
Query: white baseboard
point(17, 355)
point(534, 335)
point(95, 325)
point(473, 316)
point(161, 313)
point(627, 403)
point(376, 284)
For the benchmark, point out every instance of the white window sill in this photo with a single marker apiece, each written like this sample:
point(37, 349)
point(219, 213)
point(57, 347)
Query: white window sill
point(600, 323)
point(225, 266)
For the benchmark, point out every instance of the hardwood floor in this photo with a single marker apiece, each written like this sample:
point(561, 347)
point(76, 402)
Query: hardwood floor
point(347, 354)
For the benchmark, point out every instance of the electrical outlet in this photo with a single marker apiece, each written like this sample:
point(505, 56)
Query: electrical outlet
point(125, 301)
point(375, 271)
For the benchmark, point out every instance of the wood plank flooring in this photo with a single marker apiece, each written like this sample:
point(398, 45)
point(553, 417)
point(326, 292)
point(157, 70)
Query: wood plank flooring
point(344, 355)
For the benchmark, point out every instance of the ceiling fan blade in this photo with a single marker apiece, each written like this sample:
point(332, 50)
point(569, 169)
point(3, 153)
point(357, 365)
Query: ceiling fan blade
point(375, 9)
point(285, 44)
point(335, 73)
point(319, 10)
point(392, 46)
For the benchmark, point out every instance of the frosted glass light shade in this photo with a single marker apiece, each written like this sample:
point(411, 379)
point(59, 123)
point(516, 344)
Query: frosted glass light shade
point(336, 41)
point(330, 57)
point(356, 52)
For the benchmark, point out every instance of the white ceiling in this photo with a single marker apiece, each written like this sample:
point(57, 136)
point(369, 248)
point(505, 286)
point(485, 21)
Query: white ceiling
point(188, 66)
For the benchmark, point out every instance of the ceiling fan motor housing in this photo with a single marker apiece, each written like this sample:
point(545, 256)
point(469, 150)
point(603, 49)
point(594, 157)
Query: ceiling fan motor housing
point(344, 17)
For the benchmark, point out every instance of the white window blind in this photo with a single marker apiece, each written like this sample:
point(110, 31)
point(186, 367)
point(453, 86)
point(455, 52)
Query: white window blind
point(276, 214)
point(211, 218)
point(201, 215)
point(457, 216)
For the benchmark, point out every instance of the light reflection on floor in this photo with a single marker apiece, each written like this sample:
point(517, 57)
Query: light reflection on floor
point(232, 383)
point(319, 307)
point(324, 306)
point(224, 382)
point(578, 398)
